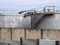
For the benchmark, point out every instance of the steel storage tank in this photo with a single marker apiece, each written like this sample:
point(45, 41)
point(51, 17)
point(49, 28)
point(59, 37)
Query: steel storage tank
point(50, 22)
point(15, 21)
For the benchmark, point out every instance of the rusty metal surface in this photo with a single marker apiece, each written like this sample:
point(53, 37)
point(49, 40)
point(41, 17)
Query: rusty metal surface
point(35, 19)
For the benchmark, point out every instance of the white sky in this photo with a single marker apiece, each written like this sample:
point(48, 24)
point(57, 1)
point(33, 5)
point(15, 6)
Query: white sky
point(18, 5)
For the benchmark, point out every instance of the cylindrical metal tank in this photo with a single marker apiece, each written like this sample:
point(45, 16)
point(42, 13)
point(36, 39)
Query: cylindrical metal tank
point(50, 22)
point(15, 21)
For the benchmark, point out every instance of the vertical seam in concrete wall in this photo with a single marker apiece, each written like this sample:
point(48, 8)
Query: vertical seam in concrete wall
point(0, 33)
point(48, 33)
point(11, 33)
point(25, 33)
point(41, 33)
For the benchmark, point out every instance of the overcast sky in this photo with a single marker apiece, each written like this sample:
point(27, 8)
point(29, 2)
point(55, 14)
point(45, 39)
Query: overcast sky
point(18, 5)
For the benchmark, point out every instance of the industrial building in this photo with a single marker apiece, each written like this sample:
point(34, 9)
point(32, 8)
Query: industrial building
point(30, 25)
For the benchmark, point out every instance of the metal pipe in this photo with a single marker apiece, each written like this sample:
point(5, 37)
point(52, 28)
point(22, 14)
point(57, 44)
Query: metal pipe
point(37, 42)
point(57, 42)
point(21, 42)
point(8, 43)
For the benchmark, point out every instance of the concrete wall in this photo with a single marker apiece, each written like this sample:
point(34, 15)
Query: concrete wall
point(17, 33)
point(33, 34)
point(6, 36)
point(51, 34)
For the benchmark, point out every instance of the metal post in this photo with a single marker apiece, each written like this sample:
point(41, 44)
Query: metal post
point(37, 43)
point(44, 9)
point(9, 44)
point(57, 42)
point(21, 42)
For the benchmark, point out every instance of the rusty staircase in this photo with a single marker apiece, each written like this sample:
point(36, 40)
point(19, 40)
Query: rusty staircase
point(36, 18)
